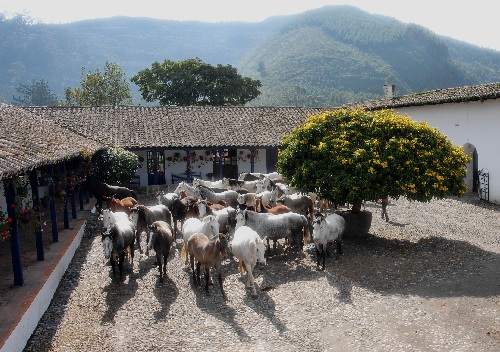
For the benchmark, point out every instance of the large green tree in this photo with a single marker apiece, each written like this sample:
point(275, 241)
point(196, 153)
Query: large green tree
point(38, 93)
point(193, 82)
point(97, 88)
point(349, 156)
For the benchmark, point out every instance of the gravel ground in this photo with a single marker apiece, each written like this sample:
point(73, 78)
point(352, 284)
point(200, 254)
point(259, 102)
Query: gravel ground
point(428, 280)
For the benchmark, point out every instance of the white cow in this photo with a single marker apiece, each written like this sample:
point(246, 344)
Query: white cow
point(209, 226)
point(110, 218)
point(249, 249)
point(211, 184)
point(327, 230)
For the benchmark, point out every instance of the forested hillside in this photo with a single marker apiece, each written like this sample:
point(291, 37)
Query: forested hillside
point(338, 54)
point(56, 53)
point(323, 57)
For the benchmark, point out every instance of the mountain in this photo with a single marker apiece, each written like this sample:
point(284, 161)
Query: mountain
point(338, 54)
point(324, 57)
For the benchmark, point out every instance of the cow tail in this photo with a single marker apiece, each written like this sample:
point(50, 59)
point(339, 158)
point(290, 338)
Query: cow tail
point(184, 253)
point(311, 210)
point(242, 267)
point(306, 232)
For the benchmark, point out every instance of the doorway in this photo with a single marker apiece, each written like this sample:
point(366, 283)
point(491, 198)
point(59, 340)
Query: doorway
point(229, 161)
point(471, 179)
point(156, 168)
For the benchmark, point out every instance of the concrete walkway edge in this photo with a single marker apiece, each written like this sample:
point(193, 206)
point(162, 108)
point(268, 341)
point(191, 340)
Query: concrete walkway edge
point(21, 333)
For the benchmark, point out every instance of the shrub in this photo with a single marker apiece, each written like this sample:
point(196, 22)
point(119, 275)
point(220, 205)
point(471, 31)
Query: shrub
point(115, 166)
point(352, 155)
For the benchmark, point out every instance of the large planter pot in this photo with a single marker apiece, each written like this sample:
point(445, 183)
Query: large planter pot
point(356, 225)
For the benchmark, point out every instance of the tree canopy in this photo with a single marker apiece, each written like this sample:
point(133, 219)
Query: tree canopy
point(100, 88)
point(37, 93)
point(193, 82)
point(349, 156)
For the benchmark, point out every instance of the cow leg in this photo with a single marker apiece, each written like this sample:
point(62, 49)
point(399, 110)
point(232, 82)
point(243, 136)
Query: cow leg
point(175, 228)
point(323, 250)
point(112, 260)
point(165, 259)
point(207, 275)
point(121, 259)
point(219, 274)
point(138, 240)
point(339, 248)
point(184, 247)
point(132, 249)
point(250, 279)
point(158, 259)
point(318, 254)
point(198, 269)
point(192, 268)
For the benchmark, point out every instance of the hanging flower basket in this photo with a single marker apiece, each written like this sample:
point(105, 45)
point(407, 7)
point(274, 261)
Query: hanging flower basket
point(26, 216)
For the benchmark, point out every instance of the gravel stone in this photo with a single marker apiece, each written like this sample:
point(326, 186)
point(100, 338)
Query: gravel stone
point(427, 280)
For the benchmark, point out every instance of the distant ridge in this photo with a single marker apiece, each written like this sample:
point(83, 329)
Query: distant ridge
point(324, 57)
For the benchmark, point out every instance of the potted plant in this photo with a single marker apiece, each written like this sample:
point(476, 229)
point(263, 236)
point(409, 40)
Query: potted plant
point(355, 155)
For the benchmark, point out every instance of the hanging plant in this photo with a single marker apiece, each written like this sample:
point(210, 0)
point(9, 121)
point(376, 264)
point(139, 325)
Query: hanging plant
point(194, 159)
point(248, 156)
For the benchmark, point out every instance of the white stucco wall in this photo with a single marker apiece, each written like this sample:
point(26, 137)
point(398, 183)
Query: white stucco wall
point(244, 164)
point(204, 166)
point(477, 123)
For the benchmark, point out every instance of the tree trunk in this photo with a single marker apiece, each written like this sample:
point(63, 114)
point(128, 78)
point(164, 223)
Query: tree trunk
point(356, 208)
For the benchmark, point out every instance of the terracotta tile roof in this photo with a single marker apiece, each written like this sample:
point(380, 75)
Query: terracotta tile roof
point(28, 142)
point(35, 136)
point(179, 127)
point(479, 92)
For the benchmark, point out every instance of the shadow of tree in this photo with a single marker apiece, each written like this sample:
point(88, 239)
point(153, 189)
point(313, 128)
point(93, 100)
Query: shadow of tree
point(390, 266)
point(476, 201)
point(418, 268)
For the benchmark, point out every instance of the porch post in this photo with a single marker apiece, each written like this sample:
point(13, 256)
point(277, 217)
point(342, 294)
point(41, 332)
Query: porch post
point(252, 162)
point(36, 213)
point(188, 166)
point(52, 206)
point(72, 186)
point(79, 189)
point(15, 248)
point(154, 154)
point(221, 152)
point(65, 199)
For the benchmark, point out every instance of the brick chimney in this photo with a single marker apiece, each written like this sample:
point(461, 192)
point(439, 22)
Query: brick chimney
point(389, 91)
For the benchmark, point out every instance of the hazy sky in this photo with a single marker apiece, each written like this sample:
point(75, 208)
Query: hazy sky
point(474, 22)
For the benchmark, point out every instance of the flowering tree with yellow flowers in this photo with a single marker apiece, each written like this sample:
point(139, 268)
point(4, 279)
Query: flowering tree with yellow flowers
point(354, 155)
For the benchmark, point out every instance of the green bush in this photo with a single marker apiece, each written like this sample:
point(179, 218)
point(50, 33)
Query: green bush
point(115, 166)
point(353, 155)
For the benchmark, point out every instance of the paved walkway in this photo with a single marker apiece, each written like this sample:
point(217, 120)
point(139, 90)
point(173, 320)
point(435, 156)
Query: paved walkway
point(22, 306)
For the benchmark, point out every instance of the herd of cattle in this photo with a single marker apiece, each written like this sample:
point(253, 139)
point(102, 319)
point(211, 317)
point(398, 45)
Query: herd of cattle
point(237, 216)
